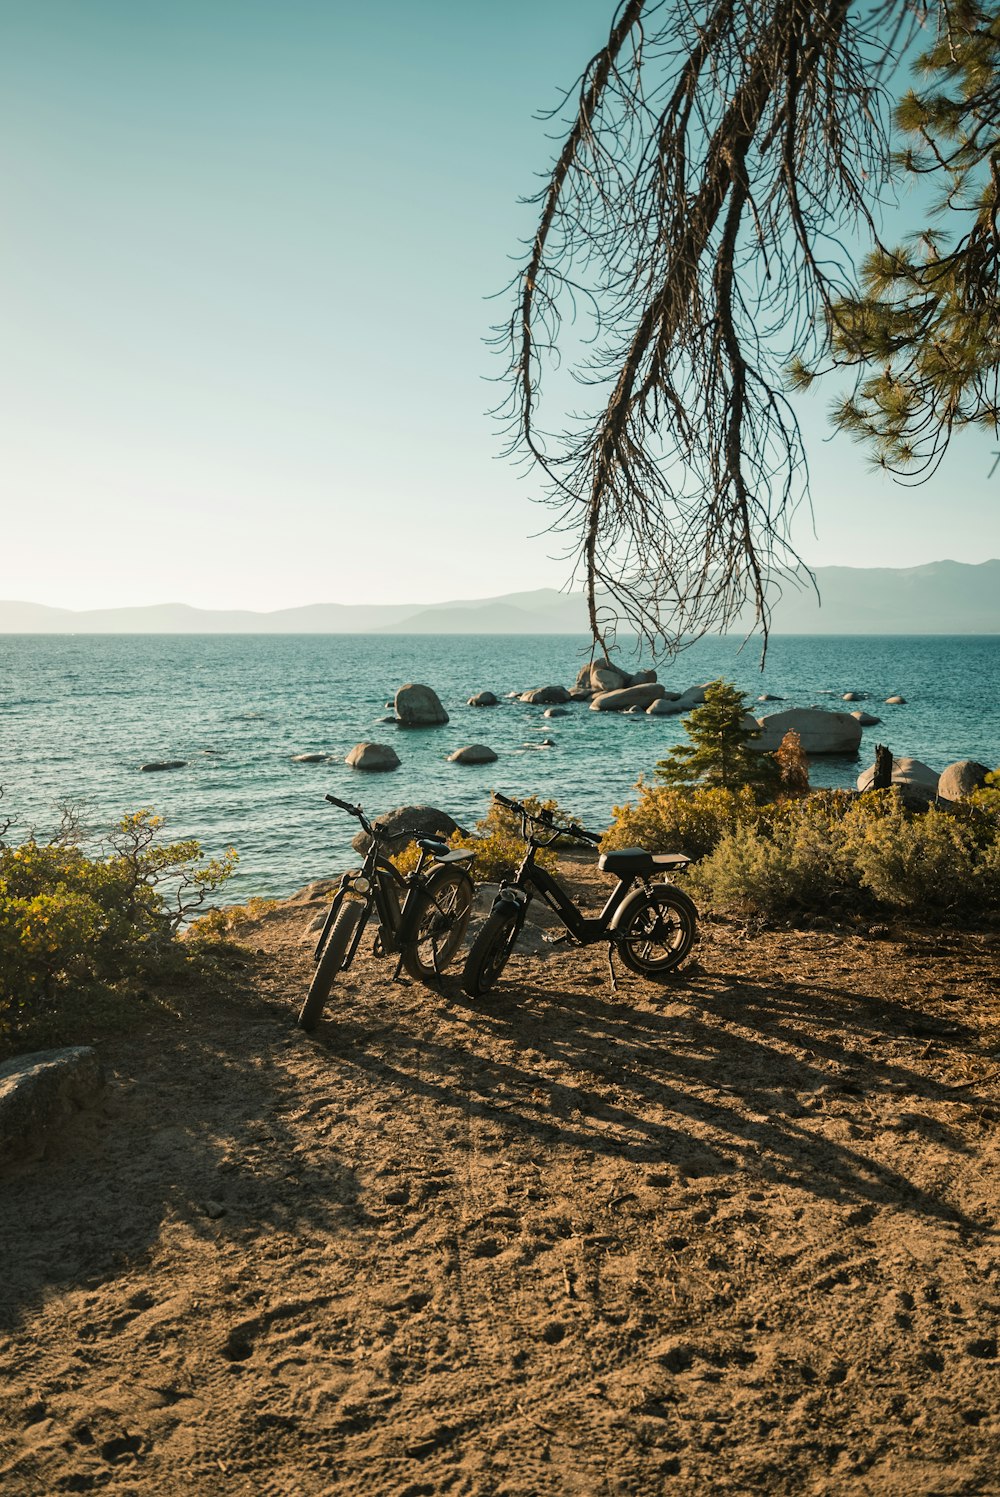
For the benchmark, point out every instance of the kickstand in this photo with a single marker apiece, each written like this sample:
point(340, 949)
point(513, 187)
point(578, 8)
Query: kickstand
point(396, 975)
point(611, 970)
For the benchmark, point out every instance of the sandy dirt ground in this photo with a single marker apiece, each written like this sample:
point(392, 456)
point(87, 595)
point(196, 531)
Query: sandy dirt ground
point(738, 1234)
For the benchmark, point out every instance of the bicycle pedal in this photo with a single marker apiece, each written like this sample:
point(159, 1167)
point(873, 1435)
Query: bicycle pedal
point(563, 939)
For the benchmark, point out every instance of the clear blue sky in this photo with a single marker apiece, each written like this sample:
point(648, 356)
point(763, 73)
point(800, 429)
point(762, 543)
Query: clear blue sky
point(244, 280)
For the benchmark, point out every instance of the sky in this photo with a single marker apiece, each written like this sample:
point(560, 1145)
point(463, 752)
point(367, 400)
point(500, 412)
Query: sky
point(251, 258)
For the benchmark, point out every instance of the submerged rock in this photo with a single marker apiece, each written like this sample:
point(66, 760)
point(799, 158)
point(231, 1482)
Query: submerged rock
point(156, 765)
point(483, 699)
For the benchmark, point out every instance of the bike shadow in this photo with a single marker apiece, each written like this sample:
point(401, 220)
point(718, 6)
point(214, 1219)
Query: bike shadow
point(780, 1081)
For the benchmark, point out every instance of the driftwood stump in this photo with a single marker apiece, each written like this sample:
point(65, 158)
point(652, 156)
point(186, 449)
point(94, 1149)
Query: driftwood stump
point(883, 768)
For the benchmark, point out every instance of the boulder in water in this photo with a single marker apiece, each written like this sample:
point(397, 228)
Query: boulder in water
point(483, 699)
point(627, 696)
point(545, 696)
point(372, 756)
point(960, 779)
point(404, 823)
point(916, 781)
point(820, 732)
point(473, 753)
point(310, 758)
point(156, 765)
point(419, 707)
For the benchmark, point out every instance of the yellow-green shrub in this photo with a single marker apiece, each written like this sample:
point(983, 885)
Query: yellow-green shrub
point(69, 920)
point(498, 845)
point(688, 821)
point(867, 853)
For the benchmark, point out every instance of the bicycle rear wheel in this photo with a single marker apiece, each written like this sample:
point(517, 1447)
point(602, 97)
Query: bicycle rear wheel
point(658, 933)
point(330, 963)
point(438, 919)
point(491, 950)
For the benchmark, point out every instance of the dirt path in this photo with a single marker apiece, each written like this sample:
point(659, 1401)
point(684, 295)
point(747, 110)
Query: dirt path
point(736, 1236)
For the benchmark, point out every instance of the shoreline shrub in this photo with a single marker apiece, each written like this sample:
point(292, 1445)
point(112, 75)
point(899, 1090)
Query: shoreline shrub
point(70, 921)
point(497, 843)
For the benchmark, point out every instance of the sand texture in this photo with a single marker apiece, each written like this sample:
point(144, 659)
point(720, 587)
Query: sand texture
point(733, 1235)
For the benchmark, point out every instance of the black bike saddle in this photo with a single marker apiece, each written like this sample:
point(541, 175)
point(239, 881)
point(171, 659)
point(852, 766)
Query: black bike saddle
point(637, 860)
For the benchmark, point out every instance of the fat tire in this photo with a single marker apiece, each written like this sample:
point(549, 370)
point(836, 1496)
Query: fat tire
point(684, 924)
point(490, 951)
point(330, 963)
point(441, 884)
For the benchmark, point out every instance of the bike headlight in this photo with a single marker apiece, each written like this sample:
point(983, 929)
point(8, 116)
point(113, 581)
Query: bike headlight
point(362, 885)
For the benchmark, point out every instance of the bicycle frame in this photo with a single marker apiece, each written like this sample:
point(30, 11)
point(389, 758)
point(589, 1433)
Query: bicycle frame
point(531, 878)
point(380, 885)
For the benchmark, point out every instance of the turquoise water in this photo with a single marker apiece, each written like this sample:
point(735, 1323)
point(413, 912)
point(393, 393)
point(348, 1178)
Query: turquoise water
point(80, 713)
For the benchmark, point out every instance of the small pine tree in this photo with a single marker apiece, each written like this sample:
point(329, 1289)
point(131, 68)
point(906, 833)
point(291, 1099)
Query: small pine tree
point(718, 753)
point(793, 765)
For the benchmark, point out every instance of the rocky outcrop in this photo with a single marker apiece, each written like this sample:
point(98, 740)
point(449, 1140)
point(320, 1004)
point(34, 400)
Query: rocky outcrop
point(418, 706)
point(580, 693)
point(546, 696)
point(627, 696)
point(960, 779)
point(473, 753)
point(483, 699)
point(820, 732)
point(372, 756)
point(916, 781)
point(40, 1093)
point(665, 706)
point(607, 677)
point(401, 825)
point(641, 678)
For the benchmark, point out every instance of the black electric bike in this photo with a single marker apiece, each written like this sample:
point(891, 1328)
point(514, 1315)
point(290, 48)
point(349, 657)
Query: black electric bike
point(422, 915)
point(652, 927)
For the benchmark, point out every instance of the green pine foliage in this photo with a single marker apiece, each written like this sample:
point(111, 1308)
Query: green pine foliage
point(718, 754)
point(926, 316)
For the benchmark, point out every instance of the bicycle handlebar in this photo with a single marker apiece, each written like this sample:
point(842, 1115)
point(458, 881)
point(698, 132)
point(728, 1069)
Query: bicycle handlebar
point(544, 818)
point(345, 806)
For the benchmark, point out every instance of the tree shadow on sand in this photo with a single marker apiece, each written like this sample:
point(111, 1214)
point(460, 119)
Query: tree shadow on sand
point(727, 1077)
point(194, 1136)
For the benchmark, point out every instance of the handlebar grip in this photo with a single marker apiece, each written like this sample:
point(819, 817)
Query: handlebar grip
point(503, 800)
point(579, 831)
point(344, 805)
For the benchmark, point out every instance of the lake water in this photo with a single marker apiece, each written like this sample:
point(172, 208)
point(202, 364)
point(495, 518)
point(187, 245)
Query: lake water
point(80, 713)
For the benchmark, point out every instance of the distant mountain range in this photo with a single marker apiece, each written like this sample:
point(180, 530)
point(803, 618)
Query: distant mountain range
point(942, 597)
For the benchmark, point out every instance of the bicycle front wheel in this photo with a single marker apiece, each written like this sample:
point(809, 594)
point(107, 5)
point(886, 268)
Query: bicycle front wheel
point(658, 932)
point(331, 962)
point(491, 950)
point(440, 916)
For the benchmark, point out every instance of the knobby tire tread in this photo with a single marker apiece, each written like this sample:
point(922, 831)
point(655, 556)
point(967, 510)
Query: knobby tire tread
point(330, 963)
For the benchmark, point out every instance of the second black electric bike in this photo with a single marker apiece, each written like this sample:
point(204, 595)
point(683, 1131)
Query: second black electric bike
point(651, 925)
